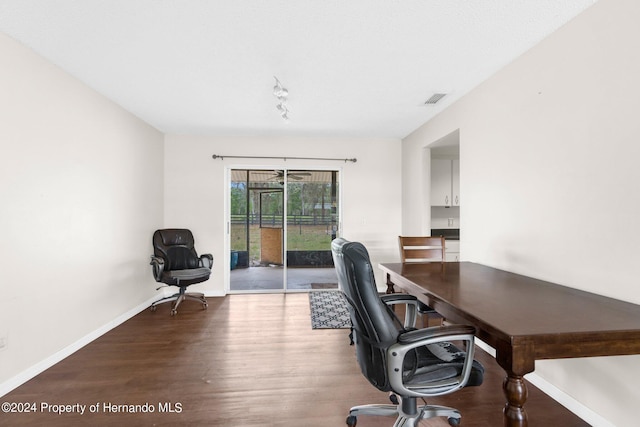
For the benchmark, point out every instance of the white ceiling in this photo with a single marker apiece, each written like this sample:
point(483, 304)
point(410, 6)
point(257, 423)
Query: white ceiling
point(353, 68)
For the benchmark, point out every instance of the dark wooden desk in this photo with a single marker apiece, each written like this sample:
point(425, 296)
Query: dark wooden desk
point(524, 319)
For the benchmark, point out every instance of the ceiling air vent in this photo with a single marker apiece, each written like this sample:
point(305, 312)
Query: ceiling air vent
point(435, 98)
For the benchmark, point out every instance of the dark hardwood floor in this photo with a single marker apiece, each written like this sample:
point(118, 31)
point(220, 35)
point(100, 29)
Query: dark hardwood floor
point(249, 360)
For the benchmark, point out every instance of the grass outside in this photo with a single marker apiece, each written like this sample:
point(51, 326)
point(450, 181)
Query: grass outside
point(300, 238)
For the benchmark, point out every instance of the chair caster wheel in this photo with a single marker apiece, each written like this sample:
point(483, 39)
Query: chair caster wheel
point(174, 312)
point(394, 399)
point(352, 421)
point(454, 422)
point(204, 305)
point(154, 308)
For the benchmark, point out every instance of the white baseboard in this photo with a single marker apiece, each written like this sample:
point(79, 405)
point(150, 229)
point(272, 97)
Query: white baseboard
point(41, 366)
point(214, 294)
point(568, 402)
point(558, 395)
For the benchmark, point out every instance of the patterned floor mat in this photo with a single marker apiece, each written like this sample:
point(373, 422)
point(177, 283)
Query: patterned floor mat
point(328, 310)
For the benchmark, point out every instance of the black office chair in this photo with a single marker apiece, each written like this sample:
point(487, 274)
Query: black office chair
point(176, 263)
point(408, 363)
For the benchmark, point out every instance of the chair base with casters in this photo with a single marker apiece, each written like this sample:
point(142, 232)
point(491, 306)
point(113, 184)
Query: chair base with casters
point(181, 279)
point(178, 298)
point(407, 412)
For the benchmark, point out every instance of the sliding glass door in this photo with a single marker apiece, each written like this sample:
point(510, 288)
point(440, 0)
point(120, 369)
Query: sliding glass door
point(280, 229)
point(256, 230)
point(312, 222)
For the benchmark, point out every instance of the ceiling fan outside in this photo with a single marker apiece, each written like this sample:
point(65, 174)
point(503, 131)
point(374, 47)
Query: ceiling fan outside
point(278, 175)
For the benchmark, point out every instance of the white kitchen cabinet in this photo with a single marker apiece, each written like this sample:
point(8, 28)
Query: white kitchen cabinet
point(452, 250)
point(445, 182)
point(455, 182)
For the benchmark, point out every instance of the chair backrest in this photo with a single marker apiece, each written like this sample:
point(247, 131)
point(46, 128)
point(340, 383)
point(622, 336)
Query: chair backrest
point(375, 327)
point(176, 247)
point(422, 248)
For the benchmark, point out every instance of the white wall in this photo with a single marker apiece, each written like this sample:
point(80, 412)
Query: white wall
point(549, 158)
point(195, 188)
point(81, 190)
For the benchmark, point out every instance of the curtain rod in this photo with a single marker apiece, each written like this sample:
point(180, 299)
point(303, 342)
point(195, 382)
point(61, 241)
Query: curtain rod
point(217, 156)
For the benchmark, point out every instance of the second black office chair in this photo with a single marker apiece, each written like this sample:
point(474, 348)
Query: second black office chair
point(409, 363)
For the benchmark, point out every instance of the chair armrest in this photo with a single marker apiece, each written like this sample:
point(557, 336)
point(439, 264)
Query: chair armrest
point(157, 264)
point(206, 260)
point(435, 332)
point(411, 340)
point(398, 298)
point(411, 307)
point(424, 308)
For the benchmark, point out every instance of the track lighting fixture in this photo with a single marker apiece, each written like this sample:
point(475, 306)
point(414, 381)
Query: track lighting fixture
point(281, 93)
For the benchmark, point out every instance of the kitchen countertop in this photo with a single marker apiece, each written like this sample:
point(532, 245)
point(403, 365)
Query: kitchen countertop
point(447, 233)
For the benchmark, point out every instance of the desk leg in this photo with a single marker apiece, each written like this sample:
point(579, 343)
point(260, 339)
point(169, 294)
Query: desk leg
point(390, 288)
point(516, 392)
point(517, 359)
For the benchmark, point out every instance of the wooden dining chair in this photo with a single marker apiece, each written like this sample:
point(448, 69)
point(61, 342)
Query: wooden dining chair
point(424, 249)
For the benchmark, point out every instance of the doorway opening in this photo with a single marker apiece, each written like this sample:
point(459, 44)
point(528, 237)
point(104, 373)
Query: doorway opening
point(445, 198)
point(281, 226)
